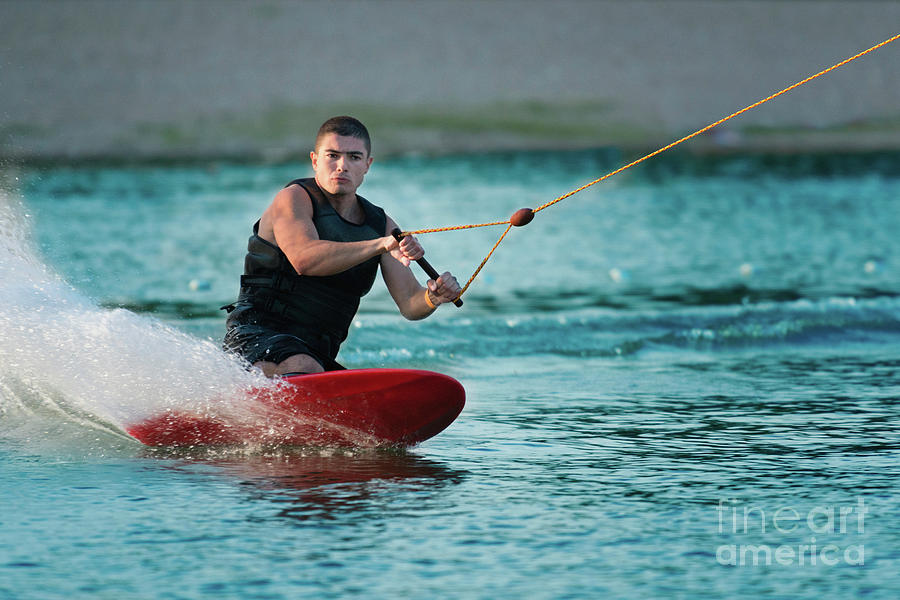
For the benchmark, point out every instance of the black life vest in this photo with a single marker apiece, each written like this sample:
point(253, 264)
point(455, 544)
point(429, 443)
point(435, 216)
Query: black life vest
point(319, 310)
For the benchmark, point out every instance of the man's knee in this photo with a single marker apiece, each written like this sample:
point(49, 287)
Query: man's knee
point(298, 363)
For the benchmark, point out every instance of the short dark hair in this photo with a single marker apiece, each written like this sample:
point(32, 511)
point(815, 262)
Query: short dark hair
point(345, 126)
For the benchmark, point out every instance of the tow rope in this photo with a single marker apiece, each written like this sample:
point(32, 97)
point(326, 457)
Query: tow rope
point(524, 216)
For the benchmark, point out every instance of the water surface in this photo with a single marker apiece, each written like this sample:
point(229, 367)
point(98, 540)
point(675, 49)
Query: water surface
point(682, 382)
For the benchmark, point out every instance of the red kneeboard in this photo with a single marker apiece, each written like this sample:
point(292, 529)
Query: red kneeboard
point(362, 407)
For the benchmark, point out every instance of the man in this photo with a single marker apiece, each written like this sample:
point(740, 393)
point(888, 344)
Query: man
point(313, 254)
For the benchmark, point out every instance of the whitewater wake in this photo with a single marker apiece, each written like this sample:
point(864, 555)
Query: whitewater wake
point(62, 357)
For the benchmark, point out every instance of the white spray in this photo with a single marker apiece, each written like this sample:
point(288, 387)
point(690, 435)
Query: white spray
point(104, 367)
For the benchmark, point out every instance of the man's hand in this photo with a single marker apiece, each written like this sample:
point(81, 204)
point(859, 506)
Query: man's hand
point(406, 250)
point(445, 289)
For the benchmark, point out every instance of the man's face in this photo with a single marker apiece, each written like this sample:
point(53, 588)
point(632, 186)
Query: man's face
point(340, 163)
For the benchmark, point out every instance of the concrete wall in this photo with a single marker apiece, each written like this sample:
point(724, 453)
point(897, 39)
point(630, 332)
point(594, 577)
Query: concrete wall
point(194, 78)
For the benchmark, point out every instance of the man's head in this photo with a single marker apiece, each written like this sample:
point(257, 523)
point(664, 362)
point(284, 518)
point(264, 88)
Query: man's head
point(344, 127)
point(341, 158)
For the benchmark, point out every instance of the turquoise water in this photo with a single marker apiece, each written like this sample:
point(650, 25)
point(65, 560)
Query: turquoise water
point(682, 382)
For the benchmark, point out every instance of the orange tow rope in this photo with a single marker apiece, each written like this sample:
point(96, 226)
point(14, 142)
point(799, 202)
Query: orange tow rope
point(525, 215)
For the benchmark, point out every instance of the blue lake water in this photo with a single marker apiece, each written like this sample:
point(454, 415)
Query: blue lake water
point(682, 382)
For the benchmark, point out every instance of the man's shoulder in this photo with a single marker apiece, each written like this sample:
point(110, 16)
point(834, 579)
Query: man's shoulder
point(293, 190)
point(305, 183)
point(292, 201)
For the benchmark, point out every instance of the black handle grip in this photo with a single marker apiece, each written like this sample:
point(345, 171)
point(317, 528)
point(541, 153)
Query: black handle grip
point(426, 266)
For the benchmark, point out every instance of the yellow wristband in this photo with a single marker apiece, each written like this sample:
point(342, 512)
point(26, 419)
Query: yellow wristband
point(428, 300)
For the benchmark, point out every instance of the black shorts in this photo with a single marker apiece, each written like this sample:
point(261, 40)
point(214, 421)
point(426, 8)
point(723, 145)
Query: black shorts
point(258, 343)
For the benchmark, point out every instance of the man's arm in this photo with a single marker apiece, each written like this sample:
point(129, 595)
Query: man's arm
point(406, 291)
point(288, 224)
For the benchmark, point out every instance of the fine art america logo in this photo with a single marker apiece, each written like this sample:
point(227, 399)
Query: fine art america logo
point(827, 522)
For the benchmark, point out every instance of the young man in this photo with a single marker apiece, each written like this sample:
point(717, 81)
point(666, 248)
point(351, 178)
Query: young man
point(313, 255)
